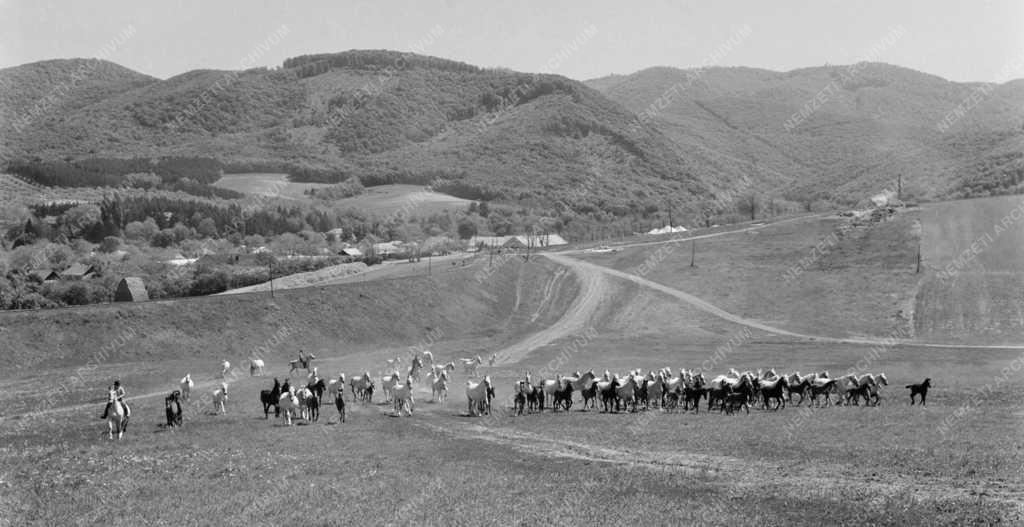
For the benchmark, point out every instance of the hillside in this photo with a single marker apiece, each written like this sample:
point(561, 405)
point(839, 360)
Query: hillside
point(33, 92)
point(475, 133)
point(881, 122)
point(329, 320)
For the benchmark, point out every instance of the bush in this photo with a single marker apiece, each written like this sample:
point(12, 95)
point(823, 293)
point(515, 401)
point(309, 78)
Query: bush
point(110, 244)
point(78, 293)
point(164, 238)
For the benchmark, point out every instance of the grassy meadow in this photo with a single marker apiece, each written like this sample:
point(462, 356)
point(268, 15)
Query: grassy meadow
point(956, 461)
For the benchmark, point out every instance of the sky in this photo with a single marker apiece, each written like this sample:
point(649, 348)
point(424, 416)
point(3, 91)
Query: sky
point(970, 40)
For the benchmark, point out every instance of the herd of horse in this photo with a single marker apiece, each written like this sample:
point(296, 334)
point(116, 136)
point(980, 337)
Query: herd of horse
point(727, 393)
point(290, 402)
point(633, 391)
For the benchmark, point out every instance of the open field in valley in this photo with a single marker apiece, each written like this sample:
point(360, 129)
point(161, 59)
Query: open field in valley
point(388, 199)
point(957, 461)
point(382, 200)
point(269, 185)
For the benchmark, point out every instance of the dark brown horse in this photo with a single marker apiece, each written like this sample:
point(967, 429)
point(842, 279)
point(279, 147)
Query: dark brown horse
point(172, 407)
point(270, 398)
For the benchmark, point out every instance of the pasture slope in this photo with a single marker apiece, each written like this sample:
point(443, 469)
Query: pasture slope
point(957, 461)
point(382, 200)
point(974, 252)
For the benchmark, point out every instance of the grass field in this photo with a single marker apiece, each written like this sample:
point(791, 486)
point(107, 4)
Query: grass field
point(388, 199)
point(382, 200)
point(957, 461)
point(974, 252)
point(853, 283)
point(270, 185)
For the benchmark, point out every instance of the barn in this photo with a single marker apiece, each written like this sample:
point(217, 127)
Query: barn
point(131, 289)
point(78, 271)
point(44, 275)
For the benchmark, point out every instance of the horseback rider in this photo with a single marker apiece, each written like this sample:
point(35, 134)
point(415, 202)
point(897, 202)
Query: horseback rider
point(119, 394)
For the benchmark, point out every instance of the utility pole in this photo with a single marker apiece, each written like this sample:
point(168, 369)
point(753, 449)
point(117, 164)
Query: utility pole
point(918, 271)
point(693, 253)
point(899, 187)
point(669, 204)
point(270, 271)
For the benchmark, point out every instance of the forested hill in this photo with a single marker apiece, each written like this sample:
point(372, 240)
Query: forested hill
point(540, 140)
point(386, 117)
point(836, 131)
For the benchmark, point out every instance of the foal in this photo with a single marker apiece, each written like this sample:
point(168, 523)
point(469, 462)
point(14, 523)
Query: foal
point(919, 389)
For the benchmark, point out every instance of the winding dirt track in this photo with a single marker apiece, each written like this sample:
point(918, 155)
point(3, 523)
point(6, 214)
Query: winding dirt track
point(585, 269)
point(593, 287)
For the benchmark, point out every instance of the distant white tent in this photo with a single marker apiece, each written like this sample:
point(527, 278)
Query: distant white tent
point(668, 229)
point(883, 199)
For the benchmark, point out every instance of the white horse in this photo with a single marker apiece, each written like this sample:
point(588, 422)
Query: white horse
point(362, 386)
point(219, 396)
point(438, 369)
point(255, 366)
point(186, 385)
point(439, 388)
point(392, 364)
point(427, 358)
point(304, 394)
point(401, 394)
point(470, 365)
point(116, 417)
point(288, 403)
point(224, 368)
point(492, 360)
point(477, 394)
point(336, 386)
point(388, 384)
point(415, 369)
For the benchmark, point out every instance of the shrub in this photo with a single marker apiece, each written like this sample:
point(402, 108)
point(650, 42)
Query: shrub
point(110, 244)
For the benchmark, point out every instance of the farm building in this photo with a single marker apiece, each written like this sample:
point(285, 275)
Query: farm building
point(387, 248)
point(540, 240)
point(487, 241)
point(44, 275)
point(78, 271)
point(351, 251)
point(131, 289)
point(179, 260)
point(514, 242)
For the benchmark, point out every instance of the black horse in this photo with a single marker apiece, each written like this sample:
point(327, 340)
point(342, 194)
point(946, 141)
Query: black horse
point(563, 398)
point(313, 403)
point(589, 395)
point(519, 402)
point(534, 398)
point(271, 397)
point(609, 398)
point(172, 407)
point(919, 389)
point(692, 396)
point(774, 390)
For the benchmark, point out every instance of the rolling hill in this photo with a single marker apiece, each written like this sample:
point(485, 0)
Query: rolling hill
point(542, 140)
point(867, 127)
point(475, 133)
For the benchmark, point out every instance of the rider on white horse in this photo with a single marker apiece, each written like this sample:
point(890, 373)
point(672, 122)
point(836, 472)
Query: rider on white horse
point(120, 393)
